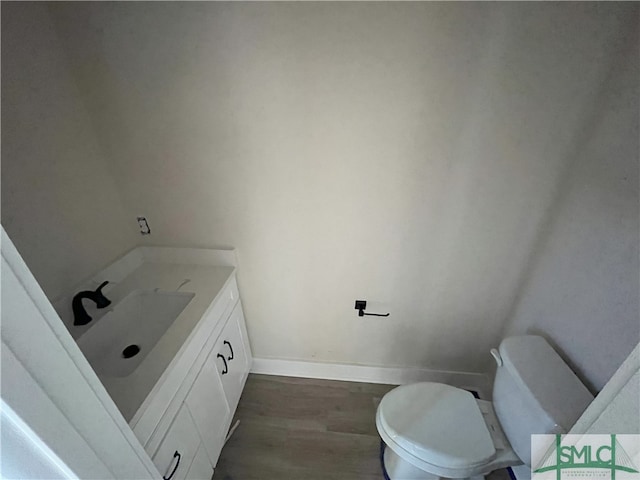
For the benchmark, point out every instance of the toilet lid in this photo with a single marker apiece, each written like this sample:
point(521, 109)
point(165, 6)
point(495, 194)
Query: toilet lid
point(440, 424)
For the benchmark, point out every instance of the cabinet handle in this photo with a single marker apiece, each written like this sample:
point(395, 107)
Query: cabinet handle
point(224, 372)
point(230, 348)
point(177, 454)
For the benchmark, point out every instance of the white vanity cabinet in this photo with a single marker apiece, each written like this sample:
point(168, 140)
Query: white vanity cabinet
point(194, 423)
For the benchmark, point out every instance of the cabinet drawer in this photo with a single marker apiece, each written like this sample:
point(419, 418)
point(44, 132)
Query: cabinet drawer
point(179, 447)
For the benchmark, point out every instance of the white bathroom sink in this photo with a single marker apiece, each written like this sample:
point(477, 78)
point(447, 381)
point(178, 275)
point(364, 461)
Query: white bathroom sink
point(122, 338)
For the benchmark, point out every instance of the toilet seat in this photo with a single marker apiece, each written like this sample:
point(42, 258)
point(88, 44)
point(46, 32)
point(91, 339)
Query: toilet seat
point(436, 427)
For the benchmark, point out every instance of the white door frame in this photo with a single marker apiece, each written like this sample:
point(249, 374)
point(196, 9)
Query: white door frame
point(48, 383)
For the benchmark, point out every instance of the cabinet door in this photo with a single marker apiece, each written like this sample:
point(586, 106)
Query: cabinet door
point(232, 358)
point(208, 406)
point(179, 447)
point(200, 468)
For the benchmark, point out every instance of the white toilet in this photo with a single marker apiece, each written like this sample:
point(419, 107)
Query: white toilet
point(433, 430)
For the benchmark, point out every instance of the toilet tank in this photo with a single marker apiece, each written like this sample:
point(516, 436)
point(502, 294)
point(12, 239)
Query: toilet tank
point(535, 392)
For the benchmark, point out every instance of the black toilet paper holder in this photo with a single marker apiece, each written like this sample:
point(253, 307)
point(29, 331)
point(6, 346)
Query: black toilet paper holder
point(361, 306)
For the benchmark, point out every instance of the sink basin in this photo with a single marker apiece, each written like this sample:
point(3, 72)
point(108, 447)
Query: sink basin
point(122, 338)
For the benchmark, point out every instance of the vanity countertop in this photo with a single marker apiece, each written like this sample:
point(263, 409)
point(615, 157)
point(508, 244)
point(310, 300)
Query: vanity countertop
point(205, 281)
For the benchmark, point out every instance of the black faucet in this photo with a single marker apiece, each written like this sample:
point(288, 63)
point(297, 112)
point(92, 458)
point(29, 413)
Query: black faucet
point(80, 315)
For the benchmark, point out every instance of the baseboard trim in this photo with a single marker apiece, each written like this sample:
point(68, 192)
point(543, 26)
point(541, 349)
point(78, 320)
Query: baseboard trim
point(370, 374)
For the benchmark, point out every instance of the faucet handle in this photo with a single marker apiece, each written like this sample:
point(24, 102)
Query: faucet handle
point(101, 300)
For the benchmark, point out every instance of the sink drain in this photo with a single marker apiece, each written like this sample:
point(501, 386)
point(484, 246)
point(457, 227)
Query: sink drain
point(130, 351)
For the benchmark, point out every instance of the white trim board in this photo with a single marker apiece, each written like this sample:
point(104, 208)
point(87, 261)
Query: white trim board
point(370, 374)
point(70, 411)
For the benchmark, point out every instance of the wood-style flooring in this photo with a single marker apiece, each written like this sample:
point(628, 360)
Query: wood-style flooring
point(305, 429)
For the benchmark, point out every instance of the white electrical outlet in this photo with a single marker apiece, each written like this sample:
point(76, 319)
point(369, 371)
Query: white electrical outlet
point(144, 226)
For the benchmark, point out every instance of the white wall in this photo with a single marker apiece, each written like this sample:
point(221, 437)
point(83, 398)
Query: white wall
point(581, 287)
point(401, 153)
point(60, 204)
